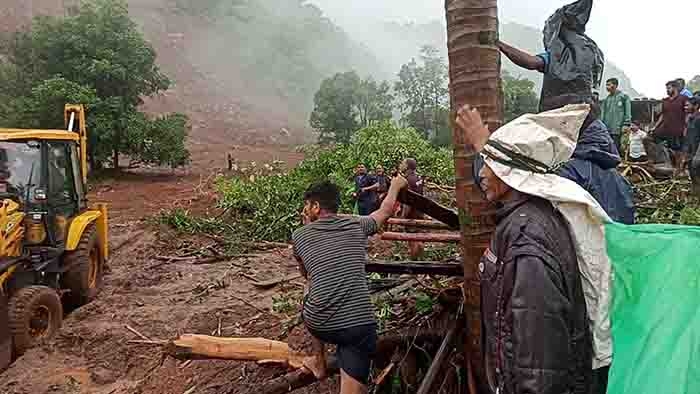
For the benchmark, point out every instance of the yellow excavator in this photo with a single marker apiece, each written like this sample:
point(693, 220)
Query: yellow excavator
point(53, 242)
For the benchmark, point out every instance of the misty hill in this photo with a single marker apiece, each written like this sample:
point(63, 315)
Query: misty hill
point(243, 70)
point(397, 42)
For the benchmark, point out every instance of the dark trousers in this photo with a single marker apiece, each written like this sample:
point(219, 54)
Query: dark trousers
point(617, 139)
point(366, 207)
point(600, 380)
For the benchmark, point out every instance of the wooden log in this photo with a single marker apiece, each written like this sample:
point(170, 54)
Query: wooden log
point(422, 237)
point(415, 268)
point(417, 223)
point(198, 347)
point(430, 208)
point(428, 382)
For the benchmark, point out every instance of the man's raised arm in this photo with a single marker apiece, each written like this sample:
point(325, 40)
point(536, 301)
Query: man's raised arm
point(521, 58)
point(385, 211)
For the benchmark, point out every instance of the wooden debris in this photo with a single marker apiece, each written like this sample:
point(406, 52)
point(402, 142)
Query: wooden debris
point(193, 347)
point(138, 334)
point(272, 282)
point(428, 382)
point(422, 237)
point(430, 208)
point(415, 268)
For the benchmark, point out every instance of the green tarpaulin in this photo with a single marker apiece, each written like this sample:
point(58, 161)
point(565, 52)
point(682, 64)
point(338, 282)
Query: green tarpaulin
point(655, 314)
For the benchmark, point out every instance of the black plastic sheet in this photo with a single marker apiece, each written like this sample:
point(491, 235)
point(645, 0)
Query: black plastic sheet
point(576, 62)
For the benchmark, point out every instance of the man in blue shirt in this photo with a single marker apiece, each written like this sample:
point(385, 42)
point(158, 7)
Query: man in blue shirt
point(684, 90)
point(365, 193)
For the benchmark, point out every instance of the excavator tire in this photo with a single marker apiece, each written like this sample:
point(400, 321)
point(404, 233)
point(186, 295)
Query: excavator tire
point(85, 265)
point(5, 334)
point(35, 316)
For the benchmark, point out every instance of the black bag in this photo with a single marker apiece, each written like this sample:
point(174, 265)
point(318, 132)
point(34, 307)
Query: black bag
point(576, 63)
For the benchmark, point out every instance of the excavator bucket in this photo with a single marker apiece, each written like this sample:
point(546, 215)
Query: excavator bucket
point(5, 337)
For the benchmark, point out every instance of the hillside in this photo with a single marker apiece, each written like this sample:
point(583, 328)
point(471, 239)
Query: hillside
point(244, 71)
point(398, 42)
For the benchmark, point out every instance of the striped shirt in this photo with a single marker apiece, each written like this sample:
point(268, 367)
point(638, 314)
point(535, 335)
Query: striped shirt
point(334, 253)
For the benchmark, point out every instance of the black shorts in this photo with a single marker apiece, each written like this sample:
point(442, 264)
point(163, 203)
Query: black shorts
point(356, 348)
point(676, 144)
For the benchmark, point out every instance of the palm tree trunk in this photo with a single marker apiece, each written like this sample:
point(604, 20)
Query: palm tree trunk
point(475, 63)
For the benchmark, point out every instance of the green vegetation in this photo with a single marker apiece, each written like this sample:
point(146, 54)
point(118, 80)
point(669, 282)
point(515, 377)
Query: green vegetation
point(346, 103)
point(519, 97)
point(423, 94)
point(268, 207)
point(96, 57)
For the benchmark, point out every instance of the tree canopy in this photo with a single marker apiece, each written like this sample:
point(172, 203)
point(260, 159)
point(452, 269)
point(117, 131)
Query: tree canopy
point(423, 94)
point(345, 103)
point(519, 97)
point(96, 57)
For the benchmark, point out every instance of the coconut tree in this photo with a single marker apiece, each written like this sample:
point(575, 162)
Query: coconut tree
point(475, 64)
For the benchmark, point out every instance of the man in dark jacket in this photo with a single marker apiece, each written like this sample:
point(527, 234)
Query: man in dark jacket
point(594, 167)
point(535, 322)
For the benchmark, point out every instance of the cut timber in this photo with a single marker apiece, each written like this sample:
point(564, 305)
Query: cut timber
point(195, 347)
point(417, 223)
point(475, 79)
point(422, 237)
point(430, 208)
point(415, 268)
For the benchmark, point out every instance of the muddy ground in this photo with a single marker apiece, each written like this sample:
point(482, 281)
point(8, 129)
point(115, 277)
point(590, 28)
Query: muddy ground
point(160, 300)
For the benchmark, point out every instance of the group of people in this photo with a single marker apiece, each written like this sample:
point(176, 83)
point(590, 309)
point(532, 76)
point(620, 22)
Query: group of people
point(544, 327)
point(371, 188)
point(677, 129)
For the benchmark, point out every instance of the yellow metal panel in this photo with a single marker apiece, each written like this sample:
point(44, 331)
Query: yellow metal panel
point(103, 230)
point(29, 134)
point(77, 227)
point(5, 276)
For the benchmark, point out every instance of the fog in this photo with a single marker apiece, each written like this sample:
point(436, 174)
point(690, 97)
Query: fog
point(646, 39)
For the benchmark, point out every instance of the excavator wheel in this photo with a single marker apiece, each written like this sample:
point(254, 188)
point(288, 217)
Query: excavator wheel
point(35, 316)
point(85, 265)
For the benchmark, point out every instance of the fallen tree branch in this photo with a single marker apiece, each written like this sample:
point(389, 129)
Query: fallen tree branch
point(272, 282)
point(415, 268)
point(440, 358)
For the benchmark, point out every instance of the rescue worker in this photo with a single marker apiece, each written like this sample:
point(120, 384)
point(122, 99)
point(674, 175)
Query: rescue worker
point(535, 322)
point(332, 254)
point(409, 169)
point(616, 111)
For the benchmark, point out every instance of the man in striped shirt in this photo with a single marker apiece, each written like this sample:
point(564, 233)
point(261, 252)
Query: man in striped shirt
point(332, 253)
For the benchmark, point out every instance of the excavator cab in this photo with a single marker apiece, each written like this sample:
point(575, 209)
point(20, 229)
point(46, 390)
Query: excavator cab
point(53, 243)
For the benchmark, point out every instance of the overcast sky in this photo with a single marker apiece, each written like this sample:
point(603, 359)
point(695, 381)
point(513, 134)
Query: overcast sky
point(639, 36)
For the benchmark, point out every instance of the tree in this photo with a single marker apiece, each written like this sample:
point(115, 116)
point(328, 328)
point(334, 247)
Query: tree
point(374, 101)
point(519, 97)
point(97, 57)
point(475, 63)
point(344, 103)
point(422, 92)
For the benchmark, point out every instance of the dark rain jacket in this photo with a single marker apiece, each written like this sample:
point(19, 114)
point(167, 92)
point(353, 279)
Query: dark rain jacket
point(535, 326)
point(594, 167)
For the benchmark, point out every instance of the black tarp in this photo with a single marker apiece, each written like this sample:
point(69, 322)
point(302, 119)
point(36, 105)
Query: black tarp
point(576, 63)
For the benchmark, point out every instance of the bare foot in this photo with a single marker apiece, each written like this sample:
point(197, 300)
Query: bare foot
point(317, 366)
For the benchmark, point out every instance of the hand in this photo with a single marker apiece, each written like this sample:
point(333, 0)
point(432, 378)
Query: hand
point(476, 132)
point(399, 183)
point(354, 195)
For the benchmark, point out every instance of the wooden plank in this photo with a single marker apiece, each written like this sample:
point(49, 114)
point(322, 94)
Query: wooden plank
point(430, 208)
point(422, 237)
